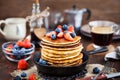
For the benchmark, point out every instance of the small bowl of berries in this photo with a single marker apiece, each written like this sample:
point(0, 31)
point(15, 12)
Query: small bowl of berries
point(14, 51)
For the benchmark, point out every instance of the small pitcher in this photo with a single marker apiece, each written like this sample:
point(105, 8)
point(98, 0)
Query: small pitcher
point(14, 29)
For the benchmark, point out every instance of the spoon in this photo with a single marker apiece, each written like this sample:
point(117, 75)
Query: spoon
point(98, 50)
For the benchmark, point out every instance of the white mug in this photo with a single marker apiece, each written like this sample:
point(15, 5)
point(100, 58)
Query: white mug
point(14, 29)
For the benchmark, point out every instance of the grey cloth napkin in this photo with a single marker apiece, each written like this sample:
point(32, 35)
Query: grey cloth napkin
point(113, 55)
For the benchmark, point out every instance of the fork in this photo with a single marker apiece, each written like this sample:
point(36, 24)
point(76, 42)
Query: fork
point(105, 70)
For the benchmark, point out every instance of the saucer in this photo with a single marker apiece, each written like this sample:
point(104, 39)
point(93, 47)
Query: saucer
point(85, 30)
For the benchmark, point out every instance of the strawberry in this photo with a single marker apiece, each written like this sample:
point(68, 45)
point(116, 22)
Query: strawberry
point(48, 34)
point(22, 64)
point(32, 77)
point(10, 46)
point(26, 43)
point(67, 36)
point(60, 35)
point(8, 49)
point(20, 43)
point(71, 28)
point(59, 26)
point(26, 40)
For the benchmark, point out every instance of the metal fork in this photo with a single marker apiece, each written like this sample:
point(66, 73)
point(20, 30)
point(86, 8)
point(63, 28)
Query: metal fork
point(105, 70)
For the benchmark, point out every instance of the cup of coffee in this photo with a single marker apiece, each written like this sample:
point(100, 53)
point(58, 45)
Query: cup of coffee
point(102, 32)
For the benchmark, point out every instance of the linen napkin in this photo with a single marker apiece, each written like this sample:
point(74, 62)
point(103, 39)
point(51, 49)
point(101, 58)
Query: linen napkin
point(113, 55)
point(33, 69)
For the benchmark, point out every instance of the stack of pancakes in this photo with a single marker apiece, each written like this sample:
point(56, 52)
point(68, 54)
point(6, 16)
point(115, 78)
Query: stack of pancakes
point(61, 52)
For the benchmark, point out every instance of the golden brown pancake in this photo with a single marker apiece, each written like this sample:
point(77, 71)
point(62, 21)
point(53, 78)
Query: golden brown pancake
point(55, 60)
point(67, 64)
point(60, 41)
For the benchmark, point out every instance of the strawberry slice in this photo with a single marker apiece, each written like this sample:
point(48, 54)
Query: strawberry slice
point(59, 26)
point(32, 77)
point(22, 64)
point(60, 35)
point(67, 36)
point(50, 33)
point(71, 28)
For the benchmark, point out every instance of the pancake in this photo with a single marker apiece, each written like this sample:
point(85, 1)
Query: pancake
point(67, 64)
point(59, 41)
point(60, 45)
point(55, 60)
point(61, 51)
point(70, 47)
point(60, 57)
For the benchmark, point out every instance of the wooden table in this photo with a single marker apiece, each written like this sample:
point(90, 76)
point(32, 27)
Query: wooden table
point(6, 66)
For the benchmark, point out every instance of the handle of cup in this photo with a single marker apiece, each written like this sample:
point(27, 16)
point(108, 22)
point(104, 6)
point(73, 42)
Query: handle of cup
point(116, 29)
point(1, 31)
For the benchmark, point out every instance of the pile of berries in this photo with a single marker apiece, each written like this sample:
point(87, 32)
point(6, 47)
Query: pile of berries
point(22, 65)
point(64, 31)
point(18, 49)
point(23, 76)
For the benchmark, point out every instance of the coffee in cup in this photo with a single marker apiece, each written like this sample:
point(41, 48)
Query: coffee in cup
point(102, 35)
point(101, 32)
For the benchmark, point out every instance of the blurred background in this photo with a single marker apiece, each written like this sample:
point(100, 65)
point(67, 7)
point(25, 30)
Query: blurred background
point(101, 9)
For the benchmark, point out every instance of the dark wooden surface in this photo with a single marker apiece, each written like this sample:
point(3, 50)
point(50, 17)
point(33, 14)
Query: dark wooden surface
point(6, 67)
point(101, 9)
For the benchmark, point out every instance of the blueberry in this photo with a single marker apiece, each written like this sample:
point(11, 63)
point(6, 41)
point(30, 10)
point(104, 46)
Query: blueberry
point(65, 27)
point(41, 61)
point(23, 74)
point(73, 34)
point(15, 51)
point(18, 57)
point(58, 30)
point(17, 78)
point(96, 70)
point(22, 51)
point(16, 47)
point(53, 36)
